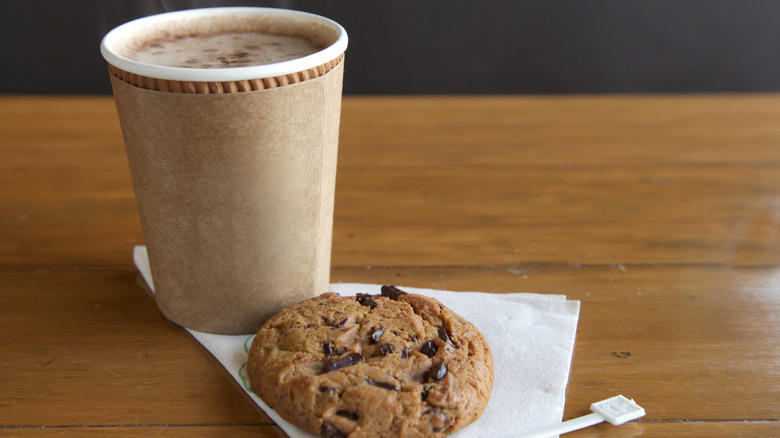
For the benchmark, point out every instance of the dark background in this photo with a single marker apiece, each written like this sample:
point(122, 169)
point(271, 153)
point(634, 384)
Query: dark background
point(449, 47)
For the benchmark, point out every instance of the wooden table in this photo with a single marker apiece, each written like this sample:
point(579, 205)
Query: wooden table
point(660, 213)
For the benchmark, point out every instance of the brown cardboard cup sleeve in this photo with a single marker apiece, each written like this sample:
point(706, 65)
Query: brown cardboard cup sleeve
point(235, 194)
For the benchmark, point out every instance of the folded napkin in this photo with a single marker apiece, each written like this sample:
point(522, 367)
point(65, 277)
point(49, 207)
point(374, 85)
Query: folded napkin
point(531, 337)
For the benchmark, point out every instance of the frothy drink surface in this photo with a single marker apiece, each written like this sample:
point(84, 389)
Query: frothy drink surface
point(223, 50)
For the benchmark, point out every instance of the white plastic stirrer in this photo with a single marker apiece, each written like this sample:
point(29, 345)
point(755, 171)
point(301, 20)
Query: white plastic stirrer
point(616, 410)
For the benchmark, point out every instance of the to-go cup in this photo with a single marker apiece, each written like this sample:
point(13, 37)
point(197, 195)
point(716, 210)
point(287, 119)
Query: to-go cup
point(233, 165)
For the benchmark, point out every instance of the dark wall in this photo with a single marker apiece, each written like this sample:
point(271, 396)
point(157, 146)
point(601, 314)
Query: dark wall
point(449, 46)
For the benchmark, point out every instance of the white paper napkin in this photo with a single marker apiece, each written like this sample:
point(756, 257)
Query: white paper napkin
point(531, 337)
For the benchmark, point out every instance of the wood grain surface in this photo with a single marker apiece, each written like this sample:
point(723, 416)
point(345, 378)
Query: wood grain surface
point(661, 214)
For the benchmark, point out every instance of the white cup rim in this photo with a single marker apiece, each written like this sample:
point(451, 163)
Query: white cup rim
point(222, 74)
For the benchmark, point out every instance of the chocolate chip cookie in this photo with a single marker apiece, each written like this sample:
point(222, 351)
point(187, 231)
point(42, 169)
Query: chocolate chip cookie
point(395, 364)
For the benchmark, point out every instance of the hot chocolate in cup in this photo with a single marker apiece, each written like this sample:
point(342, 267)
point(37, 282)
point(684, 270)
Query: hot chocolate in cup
point(224, 49)
point(230, 119)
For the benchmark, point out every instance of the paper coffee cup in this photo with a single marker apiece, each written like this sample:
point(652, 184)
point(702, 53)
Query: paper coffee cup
point(233, 168)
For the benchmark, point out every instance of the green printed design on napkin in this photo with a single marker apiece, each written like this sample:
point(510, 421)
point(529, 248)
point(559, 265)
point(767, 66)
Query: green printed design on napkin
point(242, 370)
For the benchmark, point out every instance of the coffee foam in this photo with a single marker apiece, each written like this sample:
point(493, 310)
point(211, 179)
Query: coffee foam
point(224, 50)
point(136, 44)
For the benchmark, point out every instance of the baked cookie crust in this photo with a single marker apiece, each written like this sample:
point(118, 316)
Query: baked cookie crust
point(389, 365)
